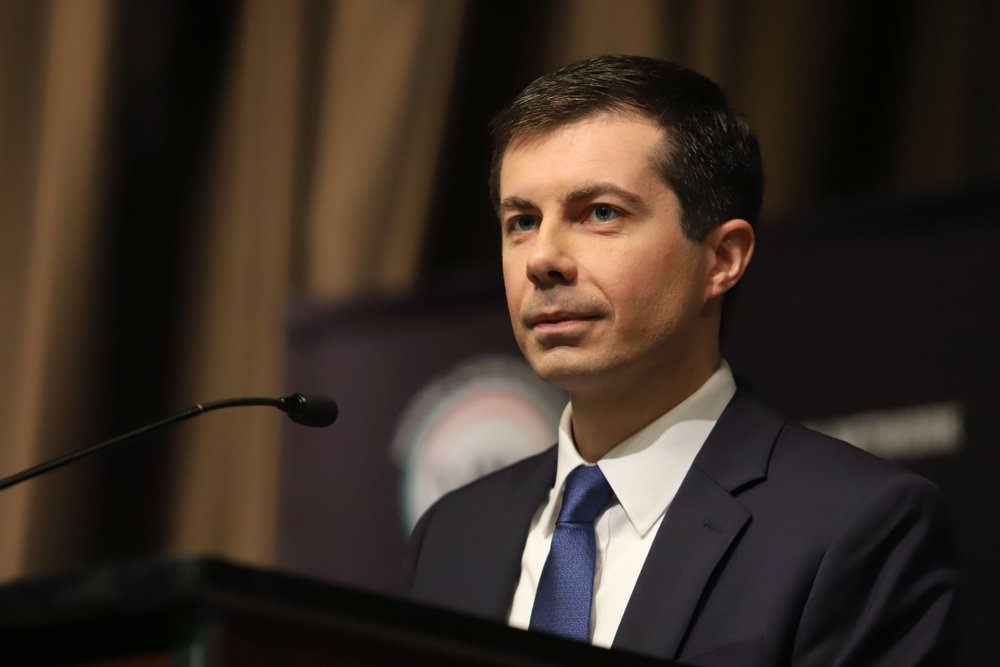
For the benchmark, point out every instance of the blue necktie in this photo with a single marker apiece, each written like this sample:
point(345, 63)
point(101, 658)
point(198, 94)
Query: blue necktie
point(566, 587)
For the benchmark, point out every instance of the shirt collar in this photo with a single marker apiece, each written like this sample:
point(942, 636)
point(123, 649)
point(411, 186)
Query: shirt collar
point(646, 469)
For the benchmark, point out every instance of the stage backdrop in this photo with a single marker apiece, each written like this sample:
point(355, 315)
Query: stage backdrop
point(880, 327)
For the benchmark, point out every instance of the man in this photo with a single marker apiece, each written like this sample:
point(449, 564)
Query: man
point(627, 192)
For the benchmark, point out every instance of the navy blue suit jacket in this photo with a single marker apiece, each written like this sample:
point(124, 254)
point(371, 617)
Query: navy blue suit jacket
point(783, 546)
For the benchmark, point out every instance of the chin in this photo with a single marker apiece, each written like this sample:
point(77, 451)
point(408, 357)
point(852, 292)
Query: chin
point(570, 374)
point(554, 373)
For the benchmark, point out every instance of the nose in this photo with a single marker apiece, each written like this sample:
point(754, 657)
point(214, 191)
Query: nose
point(550, 260)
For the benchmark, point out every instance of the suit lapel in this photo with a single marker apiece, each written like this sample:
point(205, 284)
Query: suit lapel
point(700, 526)
point(697, 530)
point(501, 566)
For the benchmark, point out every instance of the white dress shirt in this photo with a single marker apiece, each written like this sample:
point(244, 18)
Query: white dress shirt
point(644, 472)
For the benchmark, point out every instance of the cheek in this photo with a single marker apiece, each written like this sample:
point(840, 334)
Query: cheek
point(660, 298)
point(513, 281)
point(510, 274)
point(654, 308)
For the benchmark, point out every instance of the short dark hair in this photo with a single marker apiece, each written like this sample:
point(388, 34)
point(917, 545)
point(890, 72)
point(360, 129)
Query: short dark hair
point(710, 157)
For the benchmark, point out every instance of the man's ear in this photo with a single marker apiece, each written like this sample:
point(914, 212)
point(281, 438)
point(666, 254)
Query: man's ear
point(730, 247)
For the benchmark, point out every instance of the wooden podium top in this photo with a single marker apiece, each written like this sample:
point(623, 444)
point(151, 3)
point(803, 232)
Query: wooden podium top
point(205, 611)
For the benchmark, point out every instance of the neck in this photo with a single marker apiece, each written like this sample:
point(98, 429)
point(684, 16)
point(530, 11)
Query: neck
point(602, 419)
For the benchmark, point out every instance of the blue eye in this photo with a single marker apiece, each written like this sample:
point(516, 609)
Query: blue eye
point(604, 213)
point(522, 223)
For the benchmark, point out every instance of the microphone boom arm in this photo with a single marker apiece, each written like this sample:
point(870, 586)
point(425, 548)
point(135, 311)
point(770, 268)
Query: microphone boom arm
point(297, 406)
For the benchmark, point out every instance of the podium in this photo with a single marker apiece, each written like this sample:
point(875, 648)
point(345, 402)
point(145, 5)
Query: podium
point(207, 612)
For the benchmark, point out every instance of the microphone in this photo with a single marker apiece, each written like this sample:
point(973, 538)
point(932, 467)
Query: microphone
point(306, 409)
point(309, 409)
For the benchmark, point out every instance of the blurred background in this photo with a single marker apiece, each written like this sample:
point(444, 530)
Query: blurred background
point(202, 200)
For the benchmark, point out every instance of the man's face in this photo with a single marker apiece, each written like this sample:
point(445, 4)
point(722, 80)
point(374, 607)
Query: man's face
point(602, 285)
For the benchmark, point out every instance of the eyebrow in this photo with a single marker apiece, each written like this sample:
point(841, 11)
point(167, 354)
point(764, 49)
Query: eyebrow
point(595, 190)
point(515, 204)
point(590, 191)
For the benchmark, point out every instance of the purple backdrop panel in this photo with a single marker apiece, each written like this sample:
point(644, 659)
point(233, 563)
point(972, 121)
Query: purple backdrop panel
point(431, 395)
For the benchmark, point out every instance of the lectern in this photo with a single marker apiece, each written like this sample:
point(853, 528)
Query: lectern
point(206, 612)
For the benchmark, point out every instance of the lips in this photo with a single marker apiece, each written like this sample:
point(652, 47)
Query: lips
point(560, 325)
point(557, 317)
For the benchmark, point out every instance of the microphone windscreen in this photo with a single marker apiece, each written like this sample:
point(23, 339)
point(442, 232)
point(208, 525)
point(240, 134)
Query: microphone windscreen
point(310, 409)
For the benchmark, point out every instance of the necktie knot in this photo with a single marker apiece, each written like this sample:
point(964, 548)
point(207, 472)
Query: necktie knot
point(586, 493)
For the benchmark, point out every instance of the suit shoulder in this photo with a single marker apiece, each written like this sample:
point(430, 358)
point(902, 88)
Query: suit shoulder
point(834, 479)
point(827, 456)
point(491, 485)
